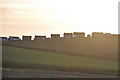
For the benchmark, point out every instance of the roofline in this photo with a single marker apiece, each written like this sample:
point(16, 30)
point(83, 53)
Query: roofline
point(79, 32)
point(26, 36)
point(39, 36)
point(15, 37)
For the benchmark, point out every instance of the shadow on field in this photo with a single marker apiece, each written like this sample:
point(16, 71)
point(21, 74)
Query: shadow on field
point(57, 68)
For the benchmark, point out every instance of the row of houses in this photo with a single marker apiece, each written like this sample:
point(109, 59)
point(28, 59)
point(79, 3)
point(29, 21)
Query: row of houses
point(57, 36)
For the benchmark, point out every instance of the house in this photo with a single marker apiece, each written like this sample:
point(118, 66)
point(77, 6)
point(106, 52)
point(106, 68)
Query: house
point(14, 38)
point(115, 35)
point(97, 34)
point(107, 35)
point(88, 35)
point(26, 37)
point(79, 34)
point(55, 36)
point(39, 37)
point(68, 35)
point(3, 39)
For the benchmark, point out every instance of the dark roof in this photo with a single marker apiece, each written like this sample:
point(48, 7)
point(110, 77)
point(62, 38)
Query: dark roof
point(79, 32)
point(39, 36)
point(107, 33)
point(97, 33)
point(13, 37)
point(3, 37)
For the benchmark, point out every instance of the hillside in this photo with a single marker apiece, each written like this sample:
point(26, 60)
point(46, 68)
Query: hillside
point(88, 47)
point(25, 58)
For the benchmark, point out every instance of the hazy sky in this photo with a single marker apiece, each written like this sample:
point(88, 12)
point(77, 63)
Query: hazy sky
point(43, 17)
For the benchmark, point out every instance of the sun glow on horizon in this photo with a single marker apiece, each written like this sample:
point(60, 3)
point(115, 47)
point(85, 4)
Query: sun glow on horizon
point(59, 16)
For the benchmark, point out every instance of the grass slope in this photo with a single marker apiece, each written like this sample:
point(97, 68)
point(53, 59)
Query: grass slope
point(21, 55)
point(86, 47)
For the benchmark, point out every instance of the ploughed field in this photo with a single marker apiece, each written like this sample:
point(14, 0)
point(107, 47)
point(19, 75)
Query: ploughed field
point(83, 57)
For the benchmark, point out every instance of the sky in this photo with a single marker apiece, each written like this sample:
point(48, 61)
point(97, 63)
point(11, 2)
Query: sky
point(43, 17)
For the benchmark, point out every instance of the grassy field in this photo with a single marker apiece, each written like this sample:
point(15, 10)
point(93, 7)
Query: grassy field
point(106, 49)
point(21, 55)
point(86, 56)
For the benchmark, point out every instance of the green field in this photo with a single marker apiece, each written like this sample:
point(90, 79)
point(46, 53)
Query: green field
point(105, 49)
point(21, 55)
